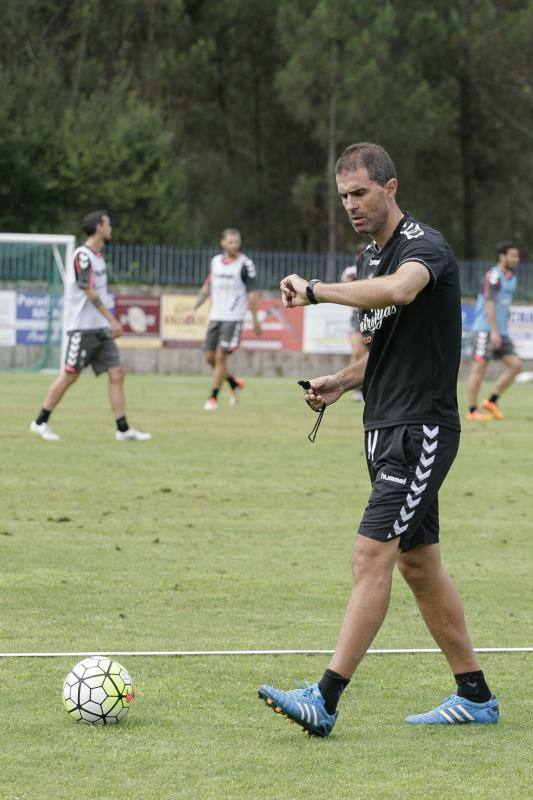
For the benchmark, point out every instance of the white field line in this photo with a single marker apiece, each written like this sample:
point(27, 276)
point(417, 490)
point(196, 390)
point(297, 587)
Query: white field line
point(399, 651)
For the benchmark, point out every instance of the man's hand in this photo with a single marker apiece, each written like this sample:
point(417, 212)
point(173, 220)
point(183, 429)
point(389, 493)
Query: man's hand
point(115, 328)
point(495, 340)
point(324, 391)
point(293, 291)
point(189, 318)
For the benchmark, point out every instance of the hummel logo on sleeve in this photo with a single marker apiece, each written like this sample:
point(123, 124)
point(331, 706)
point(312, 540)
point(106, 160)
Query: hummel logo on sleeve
point(392, 478)
point(412, 230)
point(494, 277)
point(250, 267)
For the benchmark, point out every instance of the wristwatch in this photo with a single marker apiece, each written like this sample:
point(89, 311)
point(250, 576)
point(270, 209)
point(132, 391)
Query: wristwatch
point(309, 290)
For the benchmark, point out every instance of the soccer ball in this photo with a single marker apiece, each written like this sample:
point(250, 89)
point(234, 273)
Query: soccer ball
point(98, 691)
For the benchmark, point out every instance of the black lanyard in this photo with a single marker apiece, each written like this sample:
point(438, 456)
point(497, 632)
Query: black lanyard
point(312, 436)
point(320, 411)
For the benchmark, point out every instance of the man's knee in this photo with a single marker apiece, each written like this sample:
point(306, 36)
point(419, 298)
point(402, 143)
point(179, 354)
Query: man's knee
point(210, 358)
point(372, 557)
point(116, 374)
point(516, 365)
point(417, 567)
point(479, 367)
point(411, 572)
point(68, 378)
point(221, 356)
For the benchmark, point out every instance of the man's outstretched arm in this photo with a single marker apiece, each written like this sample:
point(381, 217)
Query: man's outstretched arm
point(398, 289)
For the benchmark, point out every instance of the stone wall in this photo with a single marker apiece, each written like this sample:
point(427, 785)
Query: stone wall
point(177, 361)
point(190, 361)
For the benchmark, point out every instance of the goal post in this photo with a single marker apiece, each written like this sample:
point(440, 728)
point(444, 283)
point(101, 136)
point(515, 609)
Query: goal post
point(32, 281)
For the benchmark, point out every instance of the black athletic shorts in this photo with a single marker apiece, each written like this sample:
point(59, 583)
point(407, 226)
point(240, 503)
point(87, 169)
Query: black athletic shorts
point(407, 465)
point(223, 335)
point(482, 349)
point(97, 348)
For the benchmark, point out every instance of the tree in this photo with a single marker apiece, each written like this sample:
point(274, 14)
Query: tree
point(186, 116)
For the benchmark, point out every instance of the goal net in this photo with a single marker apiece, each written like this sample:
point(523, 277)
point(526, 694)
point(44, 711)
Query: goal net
point(32, 275)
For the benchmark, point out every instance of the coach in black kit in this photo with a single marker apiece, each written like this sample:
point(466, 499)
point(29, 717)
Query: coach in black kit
point(410, 320)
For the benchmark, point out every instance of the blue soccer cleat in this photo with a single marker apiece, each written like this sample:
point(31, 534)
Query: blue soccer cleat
point(456, 709)
point(304, 706)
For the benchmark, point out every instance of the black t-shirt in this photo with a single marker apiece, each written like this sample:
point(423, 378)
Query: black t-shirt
point(414, 350)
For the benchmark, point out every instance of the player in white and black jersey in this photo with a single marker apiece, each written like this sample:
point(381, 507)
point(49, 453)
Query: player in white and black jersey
point(231, 286)
point(411, 324)
point(91, 330)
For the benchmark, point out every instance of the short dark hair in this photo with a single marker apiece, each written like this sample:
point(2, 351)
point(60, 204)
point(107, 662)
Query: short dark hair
point(92, 220)
point(373, 157)
point(230, 232)
point(503, 248)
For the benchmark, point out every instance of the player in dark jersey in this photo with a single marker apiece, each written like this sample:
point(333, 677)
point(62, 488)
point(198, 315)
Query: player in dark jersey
point(411, 323)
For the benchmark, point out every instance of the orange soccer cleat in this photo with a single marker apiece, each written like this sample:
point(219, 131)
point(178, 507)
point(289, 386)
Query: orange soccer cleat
point(478, 415)
point(493, 409)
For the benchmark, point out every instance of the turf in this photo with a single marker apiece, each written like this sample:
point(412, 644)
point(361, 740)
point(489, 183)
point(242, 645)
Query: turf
point(230, 530)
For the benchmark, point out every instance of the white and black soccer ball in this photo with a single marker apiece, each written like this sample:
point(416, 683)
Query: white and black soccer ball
point(98, 691)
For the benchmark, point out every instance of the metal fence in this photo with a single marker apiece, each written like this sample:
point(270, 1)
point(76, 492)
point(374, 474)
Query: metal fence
point(26, 262)
point(164, 265)
point(167, 266)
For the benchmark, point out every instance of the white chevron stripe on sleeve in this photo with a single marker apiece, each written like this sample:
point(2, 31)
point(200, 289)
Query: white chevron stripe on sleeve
point(426, 462)
point(417, 489)
point(429, 448)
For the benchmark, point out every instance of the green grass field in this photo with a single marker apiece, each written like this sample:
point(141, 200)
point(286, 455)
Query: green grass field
point(230, 530)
